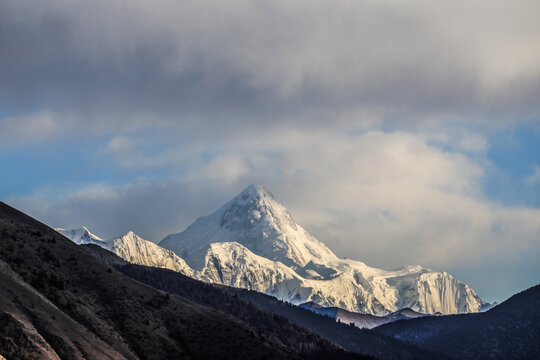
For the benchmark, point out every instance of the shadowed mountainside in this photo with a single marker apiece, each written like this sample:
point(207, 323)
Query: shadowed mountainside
point(241, 304)
point(510, 330)
point(58, 301)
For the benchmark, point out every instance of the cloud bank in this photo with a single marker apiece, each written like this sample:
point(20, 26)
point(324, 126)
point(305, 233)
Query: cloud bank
point(383, 198)
point(110, 65)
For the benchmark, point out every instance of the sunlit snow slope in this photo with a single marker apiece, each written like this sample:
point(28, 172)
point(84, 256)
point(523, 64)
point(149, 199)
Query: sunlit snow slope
point(252, 242)
point(80, 236)
point(132, 248)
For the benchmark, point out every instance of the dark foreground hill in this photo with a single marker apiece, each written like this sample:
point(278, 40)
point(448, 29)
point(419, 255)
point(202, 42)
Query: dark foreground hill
point(58, 301)
point(244, 305)
point(510, 330)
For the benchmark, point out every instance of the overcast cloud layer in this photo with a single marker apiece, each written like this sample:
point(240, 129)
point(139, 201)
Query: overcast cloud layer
point(371, 120)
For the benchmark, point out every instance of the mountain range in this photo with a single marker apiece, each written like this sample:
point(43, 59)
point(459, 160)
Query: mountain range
point(508, 331)
point(60, 302)
point(76, 299)
point(253, 242)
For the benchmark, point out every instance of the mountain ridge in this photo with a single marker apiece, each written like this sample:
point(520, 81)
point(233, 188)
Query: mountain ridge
point(252, 242)
point(255, 216)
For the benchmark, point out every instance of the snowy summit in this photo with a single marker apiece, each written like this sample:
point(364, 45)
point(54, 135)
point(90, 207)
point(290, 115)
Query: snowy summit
point(256, 220)
point(253, 242)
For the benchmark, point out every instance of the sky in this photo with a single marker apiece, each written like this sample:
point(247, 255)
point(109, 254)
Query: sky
point(396, 132)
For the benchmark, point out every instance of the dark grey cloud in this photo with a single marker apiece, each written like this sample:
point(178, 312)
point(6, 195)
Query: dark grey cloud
point(120, 64)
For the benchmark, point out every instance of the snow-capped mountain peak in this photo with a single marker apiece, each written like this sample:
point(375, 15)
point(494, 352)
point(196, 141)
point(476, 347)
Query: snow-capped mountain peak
point(255, 205)
point(254, 190)
point(80, 236)
point(255, 219)
point(135, 249)
point(262, 248)
point(132, 248)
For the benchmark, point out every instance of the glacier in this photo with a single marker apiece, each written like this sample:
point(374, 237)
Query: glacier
point(252, 242)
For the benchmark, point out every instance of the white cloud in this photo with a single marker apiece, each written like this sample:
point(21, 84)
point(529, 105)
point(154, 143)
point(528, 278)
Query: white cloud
point(26, 129)
point(384, 198)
